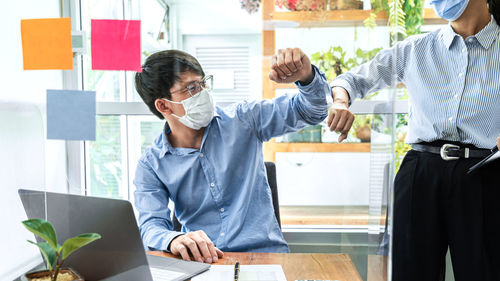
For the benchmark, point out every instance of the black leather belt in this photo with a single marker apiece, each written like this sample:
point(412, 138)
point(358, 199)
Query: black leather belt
point(450, 151)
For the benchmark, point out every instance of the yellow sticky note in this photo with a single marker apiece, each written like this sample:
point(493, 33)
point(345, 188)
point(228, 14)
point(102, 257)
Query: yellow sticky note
point(47, 43)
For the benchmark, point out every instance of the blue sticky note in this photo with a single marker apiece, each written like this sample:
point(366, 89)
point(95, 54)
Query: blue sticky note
point(71, 115)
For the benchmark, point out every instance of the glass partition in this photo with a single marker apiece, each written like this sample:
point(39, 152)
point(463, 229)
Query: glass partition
point(22, 149)
point(334, 197)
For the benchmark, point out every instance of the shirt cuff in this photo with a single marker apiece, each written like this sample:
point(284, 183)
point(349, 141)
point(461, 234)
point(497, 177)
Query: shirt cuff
point(316, 82)
point(343, 84)
point(171, 236)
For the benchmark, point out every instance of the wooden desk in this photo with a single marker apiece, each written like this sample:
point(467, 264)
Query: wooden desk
point(296, 266)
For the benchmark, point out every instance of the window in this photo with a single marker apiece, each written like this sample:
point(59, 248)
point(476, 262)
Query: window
point(125, 131)
point(234, 60)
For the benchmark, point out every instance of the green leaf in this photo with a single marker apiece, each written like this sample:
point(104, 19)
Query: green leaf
point(43, 229)
point(75, 243)
point(48, 253)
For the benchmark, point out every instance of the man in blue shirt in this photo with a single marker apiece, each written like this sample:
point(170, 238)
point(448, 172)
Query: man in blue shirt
point(209, 160)
point(453, 81)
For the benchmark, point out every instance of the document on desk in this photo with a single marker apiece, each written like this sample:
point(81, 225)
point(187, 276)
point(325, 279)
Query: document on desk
point(272, 272)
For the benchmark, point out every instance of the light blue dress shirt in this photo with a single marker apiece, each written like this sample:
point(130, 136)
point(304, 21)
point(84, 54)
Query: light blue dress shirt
point(222, 188)
point(453, 84)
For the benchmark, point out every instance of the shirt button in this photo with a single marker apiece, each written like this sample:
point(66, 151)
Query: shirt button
point(464, 50)
point(212, 184)
point(456, 96)
point(460, 74)
point(222, 234)
point(222, 209)
point(201, 155)
point(451, 118)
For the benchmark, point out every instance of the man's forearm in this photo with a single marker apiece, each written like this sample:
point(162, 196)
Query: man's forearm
point(156, 235)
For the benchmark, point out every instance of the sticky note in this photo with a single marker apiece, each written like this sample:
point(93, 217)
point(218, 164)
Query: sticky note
point(71, 115)
point(47, 43)
point(116, 45)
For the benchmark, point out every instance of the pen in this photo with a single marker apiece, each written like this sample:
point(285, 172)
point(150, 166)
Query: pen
point(236, 271)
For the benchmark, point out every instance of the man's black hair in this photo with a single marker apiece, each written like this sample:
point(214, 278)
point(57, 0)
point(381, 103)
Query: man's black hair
point(160, 72)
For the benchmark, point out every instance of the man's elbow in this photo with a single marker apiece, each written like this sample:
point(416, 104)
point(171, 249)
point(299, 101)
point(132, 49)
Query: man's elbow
point(317, 116)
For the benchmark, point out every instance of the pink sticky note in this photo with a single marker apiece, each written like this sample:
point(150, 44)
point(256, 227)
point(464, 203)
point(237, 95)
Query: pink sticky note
point(116, 45)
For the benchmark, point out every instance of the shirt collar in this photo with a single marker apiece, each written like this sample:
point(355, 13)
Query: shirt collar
point(165, 144)
point(485, 37)
point(488, 34)
point(448, 34)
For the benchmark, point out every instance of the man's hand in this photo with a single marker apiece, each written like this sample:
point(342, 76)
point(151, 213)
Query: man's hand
point(340, 118)
point(291, 65)
point(198, 245)
point(498, 142)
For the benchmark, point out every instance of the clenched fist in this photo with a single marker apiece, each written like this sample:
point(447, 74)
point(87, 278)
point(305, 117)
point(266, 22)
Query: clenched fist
point(291, 65)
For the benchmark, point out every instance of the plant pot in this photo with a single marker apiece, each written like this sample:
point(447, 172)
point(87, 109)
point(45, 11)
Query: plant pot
point(364, 133)
point(347, 5)
point(308, 134)
point(39, 275)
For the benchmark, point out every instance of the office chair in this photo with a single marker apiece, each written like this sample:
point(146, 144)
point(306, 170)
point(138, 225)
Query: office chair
point(271, 179)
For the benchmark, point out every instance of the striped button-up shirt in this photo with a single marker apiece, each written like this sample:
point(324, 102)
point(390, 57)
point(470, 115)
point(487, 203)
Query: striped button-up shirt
point(453, 84)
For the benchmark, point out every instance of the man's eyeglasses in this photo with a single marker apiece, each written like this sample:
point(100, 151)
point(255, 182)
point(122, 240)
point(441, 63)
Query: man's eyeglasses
point(195, 87)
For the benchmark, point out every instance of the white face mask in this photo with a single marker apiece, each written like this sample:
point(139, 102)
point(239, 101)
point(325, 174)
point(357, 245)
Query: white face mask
point(199, 108)
point(449, 10)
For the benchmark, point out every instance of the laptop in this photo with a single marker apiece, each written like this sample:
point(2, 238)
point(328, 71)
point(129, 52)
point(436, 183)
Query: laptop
point(119, 254)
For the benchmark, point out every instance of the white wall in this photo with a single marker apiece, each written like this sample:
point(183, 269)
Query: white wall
point(24, 167)
point(215, 17)
point(315, 179)
point(312, 40)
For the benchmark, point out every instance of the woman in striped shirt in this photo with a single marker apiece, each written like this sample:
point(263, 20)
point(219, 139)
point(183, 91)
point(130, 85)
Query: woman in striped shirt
point(453, 80)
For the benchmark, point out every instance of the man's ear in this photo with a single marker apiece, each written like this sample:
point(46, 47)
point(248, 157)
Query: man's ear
point(163, 106)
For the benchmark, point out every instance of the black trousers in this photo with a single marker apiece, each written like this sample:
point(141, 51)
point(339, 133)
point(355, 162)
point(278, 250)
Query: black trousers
point(438, 205)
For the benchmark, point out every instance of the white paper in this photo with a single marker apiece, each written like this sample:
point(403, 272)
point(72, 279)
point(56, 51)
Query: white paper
point(247, 273)
point(160, 274)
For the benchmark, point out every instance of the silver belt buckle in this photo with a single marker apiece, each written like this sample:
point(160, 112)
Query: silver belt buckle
point(444, 152)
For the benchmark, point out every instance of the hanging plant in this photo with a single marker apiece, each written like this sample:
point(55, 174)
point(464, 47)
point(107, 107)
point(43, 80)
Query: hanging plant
point(414, 10)
point(405, 16)
point(397, 19)
point(251, 6)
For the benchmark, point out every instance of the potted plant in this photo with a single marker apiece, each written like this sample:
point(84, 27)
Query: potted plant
point(362, 127)
point(55, 254)
point(335, 62)
point(302, 5)
point(307, 134)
